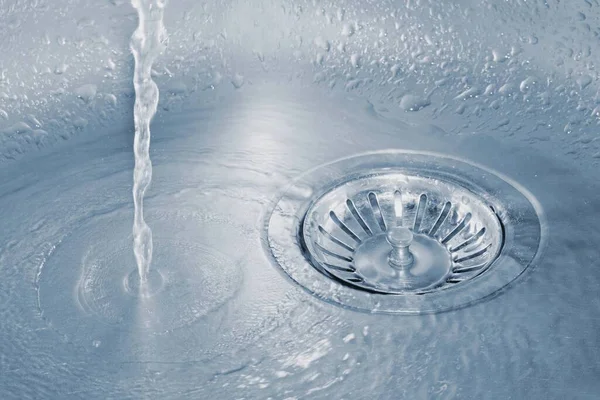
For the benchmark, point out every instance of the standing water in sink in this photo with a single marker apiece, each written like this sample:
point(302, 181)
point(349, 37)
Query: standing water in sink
point(146, 44)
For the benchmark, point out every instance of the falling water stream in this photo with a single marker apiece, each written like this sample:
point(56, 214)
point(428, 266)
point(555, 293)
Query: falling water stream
point(146, 44)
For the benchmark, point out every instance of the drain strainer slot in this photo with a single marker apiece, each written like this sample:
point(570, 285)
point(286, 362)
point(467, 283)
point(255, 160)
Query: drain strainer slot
point(404, 232)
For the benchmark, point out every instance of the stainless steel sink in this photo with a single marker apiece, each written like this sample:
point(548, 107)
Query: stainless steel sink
point(254, 96)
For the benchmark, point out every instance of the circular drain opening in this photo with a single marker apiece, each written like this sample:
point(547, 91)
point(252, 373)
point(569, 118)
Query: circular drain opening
point(404, 232)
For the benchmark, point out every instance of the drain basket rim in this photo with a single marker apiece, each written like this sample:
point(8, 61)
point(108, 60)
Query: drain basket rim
point(519, 249)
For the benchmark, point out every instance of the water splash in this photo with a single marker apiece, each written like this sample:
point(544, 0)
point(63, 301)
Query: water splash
point(147, 42)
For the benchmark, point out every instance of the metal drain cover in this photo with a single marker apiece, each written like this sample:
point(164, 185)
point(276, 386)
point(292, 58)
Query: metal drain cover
point(404, 232)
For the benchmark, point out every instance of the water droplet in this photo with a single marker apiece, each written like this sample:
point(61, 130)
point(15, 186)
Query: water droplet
point(61, 69)
point(319, 59)
point(527, 84)
point(498, 56)
point(507, 89)
point(350, 337)
point(39, 136)
point(502, 122)
point(18, 128)
point(281, 374)
point(110, 65)
point(237, 81)
point(411, 102)
point(322, 43)
point(176, 88)
point(32, 120)
point(86, 92)
point(80, 123)
point(583, 81)
point(353, 84)
point(348, 30)
point(469, 93)
point(110, 99)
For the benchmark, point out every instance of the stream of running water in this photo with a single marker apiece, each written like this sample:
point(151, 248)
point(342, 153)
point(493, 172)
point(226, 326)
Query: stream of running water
point(147, 42)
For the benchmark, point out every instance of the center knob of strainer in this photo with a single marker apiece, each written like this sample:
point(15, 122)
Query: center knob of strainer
point(400, 238)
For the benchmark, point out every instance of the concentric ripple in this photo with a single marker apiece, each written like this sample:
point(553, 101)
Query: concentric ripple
point(91, 281)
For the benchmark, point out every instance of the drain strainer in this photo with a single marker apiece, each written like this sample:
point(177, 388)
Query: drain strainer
point(399, 232)
point(404, 232)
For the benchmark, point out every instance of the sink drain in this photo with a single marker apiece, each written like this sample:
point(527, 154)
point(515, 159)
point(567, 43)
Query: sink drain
point(397, 232)
point(404, 232)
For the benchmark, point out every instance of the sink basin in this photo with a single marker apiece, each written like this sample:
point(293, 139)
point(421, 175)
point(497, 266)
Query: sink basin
point(254, 95)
